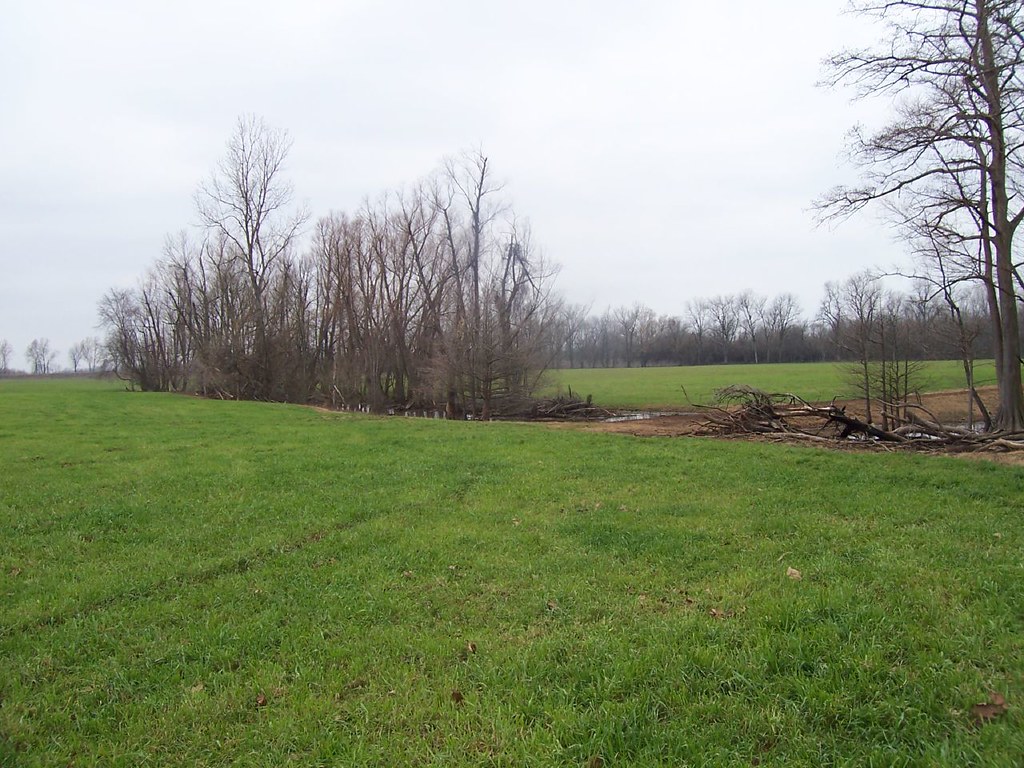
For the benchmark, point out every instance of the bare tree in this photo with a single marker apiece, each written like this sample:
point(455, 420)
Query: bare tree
point(670, 343)
point(647, 327)
point(246, 204)
point(849, 310)
point(141, 336)
point(698, 315)
point(951, 162)
point(627, 321)
point(750, 308)
point(875, 329)
point(6, 352)
point(596, 340)
point(76, 355)
point(519, 319)
point(896, 369)
point(572, 331)
point(946, 278)
point(95, 357)
point(467, 199)
point(725, 323)
point(40, 357)
point(780, 316)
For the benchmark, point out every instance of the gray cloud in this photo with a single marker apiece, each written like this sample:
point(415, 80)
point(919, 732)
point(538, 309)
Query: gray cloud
point(661, 150)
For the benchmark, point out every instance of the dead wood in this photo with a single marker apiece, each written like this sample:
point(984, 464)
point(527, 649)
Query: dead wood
point(563, 407)
point(739, 410)
point(568, 408)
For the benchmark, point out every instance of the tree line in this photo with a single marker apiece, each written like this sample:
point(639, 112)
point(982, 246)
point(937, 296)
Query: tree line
point(858, 319)
point(433, 295)
point(88, 355)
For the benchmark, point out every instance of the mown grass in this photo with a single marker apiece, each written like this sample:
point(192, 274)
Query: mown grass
point(674, 388)
point(190, 582)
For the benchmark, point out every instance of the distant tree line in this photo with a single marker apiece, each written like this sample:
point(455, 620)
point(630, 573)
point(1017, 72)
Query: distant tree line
point(858, 319)
point(880, 335)
point(432, 296)
point(742, 327)
point(88, 355)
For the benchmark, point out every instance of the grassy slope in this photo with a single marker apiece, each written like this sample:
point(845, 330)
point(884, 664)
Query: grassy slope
point(167, 561)
point(662, 388)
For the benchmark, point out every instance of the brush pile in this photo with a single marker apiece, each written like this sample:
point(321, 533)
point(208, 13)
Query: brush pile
point(568, 407)
point(742, 410)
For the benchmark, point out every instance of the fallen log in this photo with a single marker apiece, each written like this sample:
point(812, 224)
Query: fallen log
point(555, 408)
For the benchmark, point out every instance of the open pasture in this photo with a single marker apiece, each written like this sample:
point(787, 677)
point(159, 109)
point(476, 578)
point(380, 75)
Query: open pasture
point(663, 388)
point(189, 582)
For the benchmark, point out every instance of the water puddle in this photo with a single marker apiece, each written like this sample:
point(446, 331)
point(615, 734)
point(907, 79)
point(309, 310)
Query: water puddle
point(638, 416)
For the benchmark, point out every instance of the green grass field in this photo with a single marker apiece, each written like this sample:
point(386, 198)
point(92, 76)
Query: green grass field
point(663, 388)
point(203, 583)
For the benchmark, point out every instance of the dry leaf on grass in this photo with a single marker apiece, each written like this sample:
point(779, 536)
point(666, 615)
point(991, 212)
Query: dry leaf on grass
point(457, 696)
point(989, 710)
point(261, 700)
point(794, 574)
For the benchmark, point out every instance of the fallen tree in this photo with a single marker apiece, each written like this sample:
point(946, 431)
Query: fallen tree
point(743, 410)
point(568, 407)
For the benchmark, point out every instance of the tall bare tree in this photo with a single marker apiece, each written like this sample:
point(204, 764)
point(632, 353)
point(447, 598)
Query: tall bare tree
point(952, 161)
point(468, 200)
point(6, 352)
point(246, 202)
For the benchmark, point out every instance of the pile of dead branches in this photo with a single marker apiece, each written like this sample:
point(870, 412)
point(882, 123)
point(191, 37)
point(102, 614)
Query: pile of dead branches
point(568, 407)
point(742, 410)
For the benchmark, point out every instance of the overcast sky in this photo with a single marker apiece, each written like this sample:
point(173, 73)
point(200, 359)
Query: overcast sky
point(661, 150)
